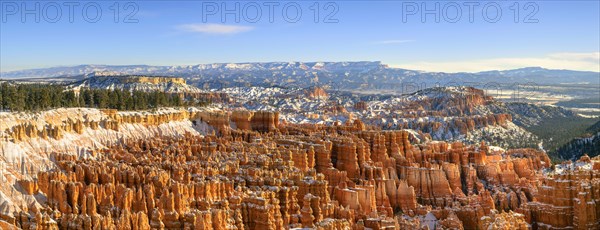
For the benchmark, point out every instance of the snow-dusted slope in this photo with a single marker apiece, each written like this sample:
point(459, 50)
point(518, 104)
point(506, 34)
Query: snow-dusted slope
point(450, 113)
point(137, 83)
point(22, 159)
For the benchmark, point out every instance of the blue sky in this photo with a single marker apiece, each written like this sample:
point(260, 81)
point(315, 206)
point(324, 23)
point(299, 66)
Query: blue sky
point(565, 36)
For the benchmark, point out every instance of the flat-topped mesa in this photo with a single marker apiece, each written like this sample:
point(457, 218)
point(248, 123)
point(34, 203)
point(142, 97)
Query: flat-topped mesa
point(145, 79)
point(170, 85)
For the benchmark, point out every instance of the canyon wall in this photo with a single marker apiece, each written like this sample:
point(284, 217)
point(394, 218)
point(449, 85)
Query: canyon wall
point(244, 170)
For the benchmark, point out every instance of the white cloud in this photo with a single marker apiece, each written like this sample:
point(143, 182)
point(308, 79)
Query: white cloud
point(385, 42)
point(591, 57)
point(572, 61)
point(212, 28)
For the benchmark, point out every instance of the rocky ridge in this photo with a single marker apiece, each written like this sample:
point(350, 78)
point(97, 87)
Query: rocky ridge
point(452, 113)
point(136, 83)
point(250, 172)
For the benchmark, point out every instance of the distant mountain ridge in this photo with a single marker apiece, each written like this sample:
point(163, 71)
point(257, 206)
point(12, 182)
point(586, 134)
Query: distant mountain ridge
point(191, 69)
point(347, 75)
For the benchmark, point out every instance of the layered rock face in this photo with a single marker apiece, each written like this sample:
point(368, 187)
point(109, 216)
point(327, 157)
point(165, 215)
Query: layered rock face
point(136, 83)
point(152, 79)
point(361, 106)
point(27, 140)
point(448, 113)
point(316, 92)
point(261, 121)
point(247, 171)
point(567, 198)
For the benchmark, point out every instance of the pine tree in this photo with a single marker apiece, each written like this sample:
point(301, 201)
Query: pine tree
point(33, 97)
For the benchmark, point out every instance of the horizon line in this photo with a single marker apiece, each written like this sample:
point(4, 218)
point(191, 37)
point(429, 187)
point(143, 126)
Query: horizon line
point(389, 66)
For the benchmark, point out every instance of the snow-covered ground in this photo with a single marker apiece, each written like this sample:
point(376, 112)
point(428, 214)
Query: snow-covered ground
point(390, 112)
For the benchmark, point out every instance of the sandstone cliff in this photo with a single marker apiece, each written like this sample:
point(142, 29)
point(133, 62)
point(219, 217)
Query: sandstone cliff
point(211, 169)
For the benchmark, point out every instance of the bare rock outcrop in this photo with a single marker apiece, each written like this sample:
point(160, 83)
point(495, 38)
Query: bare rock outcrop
point(254, 173)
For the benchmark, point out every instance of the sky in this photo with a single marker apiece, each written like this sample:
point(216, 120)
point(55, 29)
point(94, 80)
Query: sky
point(445, 36)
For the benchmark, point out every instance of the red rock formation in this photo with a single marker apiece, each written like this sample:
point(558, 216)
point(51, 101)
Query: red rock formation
point(266, 175)
point(361, 106)
point(316, 93)
point(263, 121)
point(242, 119)
point(568, 199)
point(504, 220)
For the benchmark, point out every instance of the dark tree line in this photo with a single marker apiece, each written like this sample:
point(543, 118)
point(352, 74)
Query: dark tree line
point(588, 143)
point(36, 97)
point(579, 146)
